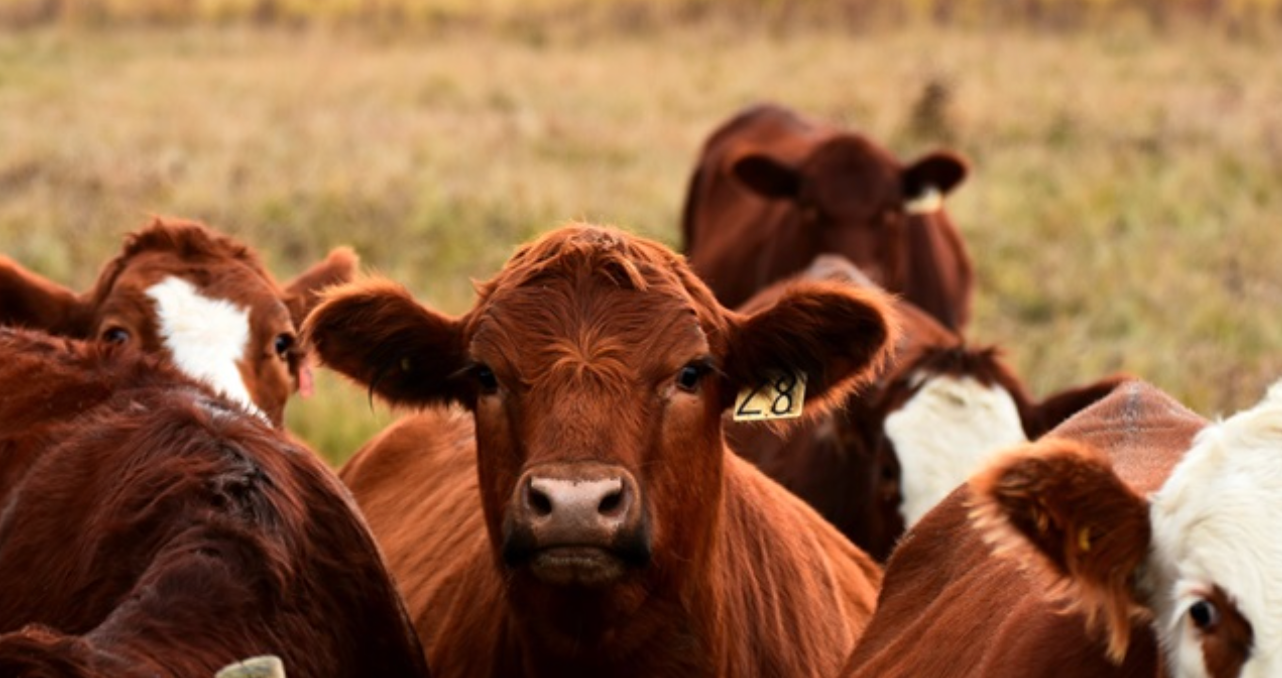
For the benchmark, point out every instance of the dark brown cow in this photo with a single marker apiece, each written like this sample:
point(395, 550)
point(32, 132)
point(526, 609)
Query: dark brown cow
point(772, 189)
point(900, 445)
point(199, 298)
point(586, 517)
point(153, 530)
point(949, 607)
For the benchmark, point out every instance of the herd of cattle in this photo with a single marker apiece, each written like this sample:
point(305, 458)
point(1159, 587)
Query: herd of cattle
point(584, 486)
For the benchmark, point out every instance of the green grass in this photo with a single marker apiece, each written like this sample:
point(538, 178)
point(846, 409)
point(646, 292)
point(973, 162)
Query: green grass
point(1122, 210)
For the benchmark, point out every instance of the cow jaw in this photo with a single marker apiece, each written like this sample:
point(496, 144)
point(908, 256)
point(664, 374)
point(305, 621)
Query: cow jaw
point(944, 432)
point(206, 337)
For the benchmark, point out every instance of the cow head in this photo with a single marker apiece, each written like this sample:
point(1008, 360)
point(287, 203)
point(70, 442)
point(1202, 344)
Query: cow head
point(197, 297)
point(1200, 557)
point(852, 197)
point(597, 368)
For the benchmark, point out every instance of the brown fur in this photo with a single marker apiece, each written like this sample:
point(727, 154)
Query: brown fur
point(152, 530)
point(843, 464)
point(217, 265)
point(948, 606)
point(586, 331)
point(771, 190)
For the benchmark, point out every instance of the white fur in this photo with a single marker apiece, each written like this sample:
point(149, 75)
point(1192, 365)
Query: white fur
point(1217, 521)
point(206, 337)
point(929, 201)
point(943, 434)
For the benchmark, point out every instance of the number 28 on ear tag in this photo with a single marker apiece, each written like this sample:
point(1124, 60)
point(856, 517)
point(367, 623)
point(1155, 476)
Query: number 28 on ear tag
point(778, 397)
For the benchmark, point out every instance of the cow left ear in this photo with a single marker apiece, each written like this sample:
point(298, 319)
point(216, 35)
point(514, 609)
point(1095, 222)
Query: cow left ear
point(303, 293)
point(767, 176)
point(831, 335)
point(1058, 503)
point(30, 300)
point(942, 170)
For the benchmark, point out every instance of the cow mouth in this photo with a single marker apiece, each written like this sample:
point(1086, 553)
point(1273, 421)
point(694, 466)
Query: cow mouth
point(588, 566)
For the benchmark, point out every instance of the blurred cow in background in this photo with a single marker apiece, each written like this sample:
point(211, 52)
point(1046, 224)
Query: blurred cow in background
point(772, 189)
point(201, 299)
point(900, 444)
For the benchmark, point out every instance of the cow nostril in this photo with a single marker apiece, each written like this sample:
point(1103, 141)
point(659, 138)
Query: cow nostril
point(611, 502)
point(539, 502)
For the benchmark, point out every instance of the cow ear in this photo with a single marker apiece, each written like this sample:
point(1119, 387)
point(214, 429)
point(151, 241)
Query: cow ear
point(941, 170)
point(375, 333)
point(304, 292)
point(1055, 408)
point(30, 300)
point(1056, 504)
point(831, 335)
point(767, 176)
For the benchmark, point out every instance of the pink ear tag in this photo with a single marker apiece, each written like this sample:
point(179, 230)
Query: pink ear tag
point(305, 384)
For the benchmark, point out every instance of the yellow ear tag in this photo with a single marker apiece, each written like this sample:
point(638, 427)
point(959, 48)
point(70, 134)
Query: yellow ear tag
point(929, 201)
point(777, 397)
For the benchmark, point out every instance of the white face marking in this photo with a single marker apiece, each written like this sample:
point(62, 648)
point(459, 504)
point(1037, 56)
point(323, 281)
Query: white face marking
point(206, 337)
point(942, 435)
point(929, 201)
point(1217, 521)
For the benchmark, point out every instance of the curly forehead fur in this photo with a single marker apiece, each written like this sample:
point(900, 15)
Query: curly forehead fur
point(581, 251)
point(186, 240)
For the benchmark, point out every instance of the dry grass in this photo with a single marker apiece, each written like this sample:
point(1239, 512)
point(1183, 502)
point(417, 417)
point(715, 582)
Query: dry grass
point(1122, 209)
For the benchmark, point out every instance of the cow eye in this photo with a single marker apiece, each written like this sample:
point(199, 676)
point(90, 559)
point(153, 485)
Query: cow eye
point(1205, 615)
point(485, 377)
point(115, 335)
point(283, 343)
point(689, 376)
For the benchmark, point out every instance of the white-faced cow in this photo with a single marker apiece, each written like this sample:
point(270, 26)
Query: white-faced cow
point(580, 514)
point(930, 418)
point(201, 299)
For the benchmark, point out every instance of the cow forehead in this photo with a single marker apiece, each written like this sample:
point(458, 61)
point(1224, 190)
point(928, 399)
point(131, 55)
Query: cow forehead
point(1215, 523)
point(944, 431)
point(207, 337)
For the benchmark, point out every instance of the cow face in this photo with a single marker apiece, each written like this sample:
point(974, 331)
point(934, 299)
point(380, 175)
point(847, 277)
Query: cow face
point(597, 368)
point(1201, 557)
point(198, 298)
point(851, 197)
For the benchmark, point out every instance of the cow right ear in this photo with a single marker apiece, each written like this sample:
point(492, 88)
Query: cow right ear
point(1058, 503)
point(767, 176)
point(375, 333)
point(29, 300)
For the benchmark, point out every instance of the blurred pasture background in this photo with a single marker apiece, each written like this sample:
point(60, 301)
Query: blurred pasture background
point(1123, 207)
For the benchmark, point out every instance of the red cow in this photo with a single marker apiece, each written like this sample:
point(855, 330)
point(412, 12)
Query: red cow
point(950, 607)
point(153, 530)
point(772, 189)
point(586, 517)
point(200, 298)
point(899, 446)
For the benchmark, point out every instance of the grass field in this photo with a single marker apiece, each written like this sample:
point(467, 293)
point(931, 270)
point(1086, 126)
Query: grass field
point(1123, 210)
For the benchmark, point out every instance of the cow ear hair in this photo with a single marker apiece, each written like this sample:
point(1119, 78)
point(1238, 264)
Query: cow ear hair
point(767, 176)
point(834, 335)
point(376, 334)
point(1056, 507)
point(303, 293)
point(31, 300)
point(943, 170)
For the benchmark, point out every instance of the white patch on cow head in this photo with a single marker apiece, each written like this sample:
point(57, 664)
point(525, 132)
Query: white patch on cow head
point(206, 337)
point(1217, 522)
point(943, 433)
point(929, 201)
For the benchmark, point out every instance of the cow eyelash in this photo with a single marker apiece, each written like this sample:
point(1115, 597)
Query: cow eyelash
point(483, 376)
